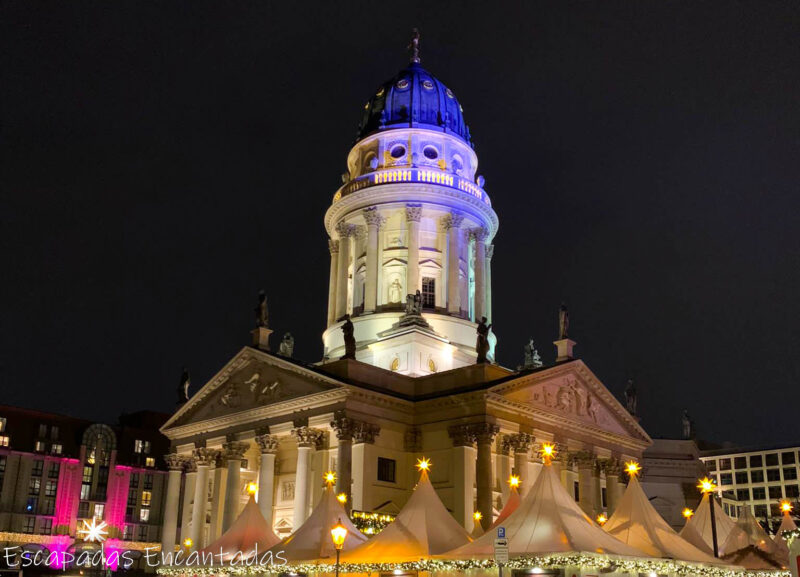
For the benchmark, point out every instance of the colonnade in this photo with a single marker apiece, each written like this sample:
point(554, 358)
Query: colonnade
point(343, 251)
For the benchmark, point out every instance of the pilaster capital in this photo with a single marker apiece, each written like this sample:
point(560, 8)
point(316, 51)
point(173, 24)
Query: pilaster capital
point(267, 443)
point(413, 212)
point(308, 437)
point(345, 230)
point(174, 461)
point(504, 445)
point(452, 220)
point(372, 217)
point(611, 467)
point(485, 432)
point(478, 234)
point(521, 442)
point(365, 432)
point(412, 440)
point(204, 457)
point(333, 246)
point(234, 451)
point(462, 435)
point(359, 231)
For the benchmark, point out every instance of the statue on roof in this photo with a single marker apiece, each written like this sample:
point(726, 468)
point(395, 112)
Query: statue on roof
point(532, 358)
point(563, 322)
point(630, 397)
point(261, 310)
point(348, 331)
point(413, 47)
point(688, 425)
point(482, 344)
point(183, 388)
point(286, 348)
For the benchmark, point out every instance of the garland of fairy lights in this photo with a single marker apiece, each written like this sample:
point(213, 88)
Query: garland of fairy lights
point(602, 562)
point(791, 535)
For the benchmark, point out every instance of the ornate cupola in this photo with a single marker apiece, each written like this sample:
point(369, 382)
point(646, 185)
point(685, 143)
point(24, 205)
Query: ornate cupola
point(411, 216)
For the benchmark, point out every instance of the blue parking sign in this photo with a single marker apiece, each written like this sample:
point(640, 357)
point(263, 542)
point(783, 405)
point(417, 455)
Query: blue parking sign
point(501, 532)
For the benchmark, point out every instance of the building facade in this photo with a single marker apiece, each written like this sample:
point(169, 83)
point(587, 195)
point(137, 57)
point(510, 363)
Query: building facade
point(759, 478)
point(411, 216)
point(57, 472)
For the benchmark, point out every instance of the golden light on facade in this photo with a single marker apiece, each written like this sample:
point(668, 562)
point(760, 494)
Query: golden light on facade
point(338, 535)
point(632, 468)
point(602, 519)
point(687, 513)
point(342, 498)
point(252, 488)
point(330, 478)
point(786, 507)
point(706, 485)
point(93, 531)
point(423, 464)
point(513, 482)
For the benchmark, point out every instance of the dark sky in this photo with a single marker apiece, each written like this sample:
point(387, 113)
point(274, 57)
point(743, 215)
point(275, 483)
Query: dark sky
point(162, 161)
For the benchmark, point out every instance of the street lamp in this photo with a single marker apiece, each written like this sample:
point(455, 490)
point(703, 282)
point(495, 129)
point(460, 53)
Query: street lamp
point(707, 487)
point(338, 535)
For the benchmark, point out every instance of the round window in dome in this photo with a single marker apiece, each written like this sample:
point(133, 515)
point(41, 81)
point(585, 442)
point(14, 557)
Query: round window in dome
point(449, 93)
point(402, 83)
point(430, 152)
point(398, 151)
point(427, 85)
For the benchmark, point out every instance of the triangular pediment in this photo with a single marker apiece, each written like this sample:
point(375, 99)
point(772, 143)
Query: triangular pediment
point(250, 380)
point(394, 262)
point(571, 392)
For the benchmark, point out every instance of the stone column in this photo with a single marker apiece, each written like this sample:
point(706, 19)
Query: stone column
point(333, 247)
point(172, 502)
point(373, 220)
point(344, 456)
point(217, 504)
point(480, 234)
point(266, 474)
point(363, 435)
point(463, 474)
point(484, 437)
point(202, 460)
point(504, 467)
point(488, 281)
point(189, 483)
point(586, 464)
point(307, 440)
point(233, 455)
point(613, 470)
point(343, 268)
point(452, 224)
point(521, 442)
point(413, 216)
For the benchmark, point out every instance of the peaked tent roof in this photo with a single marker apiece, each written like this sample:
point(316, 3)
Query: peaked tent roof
point(787, 524)
point(424, 527)
point(548, 520)
point(511, 505)
point(637, 523)
point(697, 530)
point(743, 546)
point(312, 540)
point(250, 533)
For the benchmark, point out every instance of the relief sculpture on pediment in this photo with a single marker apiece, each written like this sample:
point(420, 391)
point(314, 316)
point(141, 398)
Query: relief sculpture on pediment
point(571, 397)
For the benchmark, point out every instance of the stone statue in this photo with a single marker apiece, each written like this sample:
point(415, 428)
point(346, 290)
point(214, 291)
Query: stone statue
point(482, 345)
point(395, 290)
point(563, 322)
point(183, 388)
point(532, 358)
point(630, 397)
point(414, 304)
point(286, 348)
point(688, 425)
point(414, 46)
point(262, 313)
point(349, 339)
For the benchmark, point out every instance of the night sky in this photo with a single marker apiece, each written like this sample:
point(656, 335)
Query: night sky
point(163, 161)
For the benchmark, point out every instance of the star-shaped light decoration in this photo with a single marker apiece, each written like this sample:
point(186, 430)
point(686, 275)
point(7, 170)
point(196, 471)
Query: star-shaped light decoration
point(706, 485)
point(602, 519)
point(687, 513)
point(252, 488)
point(786, 507)
point(342, 498)
point(330, 478)
point(423, 464)
point(548, 451)
point(477, 515)
point(513, 482)
point(94, 532)
point(632, 468)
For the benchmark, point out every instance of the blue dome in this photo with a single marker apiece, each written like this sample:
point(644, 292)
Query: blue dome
point(414, 98)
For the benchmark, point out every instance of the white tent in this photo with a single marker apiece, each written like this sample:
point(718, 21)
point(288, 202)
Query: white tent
point(249, 534)
point(312, 540)
point(637, 523)
point(511, 505)
point(750, 546)
point(423, 528)
point(787, 524)
point(548, 520)
point(697, 530)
